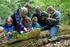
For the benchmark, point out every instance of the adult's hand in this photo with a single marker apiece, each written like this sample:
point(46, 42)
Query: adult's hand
point(51, 19)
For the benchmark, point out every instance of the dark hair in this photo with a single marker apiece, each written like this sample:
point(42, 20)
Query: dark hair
point(27, 5)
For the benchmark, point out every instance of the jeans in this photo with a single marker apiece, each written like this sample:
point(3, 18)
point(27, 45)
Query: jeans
point(53, 31)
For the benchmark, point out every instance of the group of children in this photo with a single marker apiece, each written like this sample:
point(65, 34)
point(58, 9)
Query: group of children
point(21, 22)
point(8, 29)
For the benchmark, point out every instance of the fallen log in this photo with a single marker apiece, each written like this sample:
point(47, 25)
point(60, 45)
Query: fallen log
point(34, 34)
point(44, 34)
point(41, 37)
point(22, 37)
point(35, 38)
point(40, 41)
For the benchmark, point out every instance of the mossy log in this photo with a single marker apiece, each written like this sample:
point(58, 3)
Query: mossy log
point(35, 38)
point(30, 39)
point(35, 42)
point(22, 37)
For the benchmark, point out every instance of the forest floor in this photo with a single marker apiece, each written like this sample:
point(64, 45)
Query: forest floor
point(35, 40)
point(64, 30)
point(62, 43)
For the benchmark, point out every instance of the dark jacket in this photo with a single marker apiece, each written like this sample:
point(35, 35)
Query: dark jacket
point(41, 19)
point(17, 21)
point(57, 20)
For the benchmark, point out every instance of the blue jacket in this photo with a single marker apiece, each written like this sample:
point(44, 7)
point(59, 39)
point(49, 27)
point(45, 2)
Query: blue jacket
point(8, 28)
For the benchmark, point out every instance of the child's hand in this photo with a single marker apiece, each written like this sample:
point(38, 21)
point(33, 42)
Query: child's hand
point(51, 19)
point(29, 30)
point(21, 32)
point(25, 29)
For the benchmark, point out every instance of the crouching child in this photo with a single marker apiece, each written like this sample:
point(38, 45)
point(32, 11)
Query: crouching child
point(35, 23)
point(9, 28)
point(27, 23)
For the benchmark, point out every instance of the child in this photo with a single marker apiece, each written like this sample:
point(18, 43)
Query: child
point(34, 23)
point(1, 34)
point(27, 23)
point(8, 27)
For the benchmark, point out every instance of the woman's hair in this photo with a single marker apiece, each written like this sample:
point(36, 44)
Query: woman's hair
point(23, 9)
point(51, 7)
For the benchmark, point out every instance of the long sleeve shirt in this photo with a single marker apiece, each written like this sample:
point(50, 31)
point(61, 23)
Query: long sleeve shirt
point(17, 21)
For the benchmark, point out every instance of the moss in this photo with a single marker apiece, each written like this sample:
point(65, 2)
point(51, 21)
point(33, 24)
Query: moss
point(32, 34)
point(29, 39)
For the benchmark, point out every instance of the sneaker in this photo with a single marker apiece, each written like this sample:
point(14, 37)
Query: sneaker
point(54, 38)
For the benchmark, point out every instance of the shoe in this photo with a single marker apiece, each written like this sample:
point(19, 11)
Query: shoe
point(54, 38)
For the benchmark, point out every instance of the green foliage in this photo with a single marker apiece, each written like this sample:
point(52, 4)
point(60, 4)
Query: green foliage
point(7, 7)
